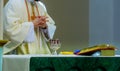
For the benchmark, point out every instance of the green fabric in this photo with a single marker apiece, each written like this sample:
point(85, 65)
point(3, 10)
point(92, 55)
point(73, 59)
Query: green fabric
point(75, 64)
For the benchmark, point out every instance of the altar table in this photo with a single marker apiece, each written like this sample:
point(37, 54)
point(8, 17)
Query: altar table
point(60, 63)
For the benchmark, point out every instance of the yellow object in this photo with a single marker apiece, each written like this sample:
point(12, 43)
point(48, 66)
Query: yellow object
point(89, 50)
point(107, 52)
point(66, 53)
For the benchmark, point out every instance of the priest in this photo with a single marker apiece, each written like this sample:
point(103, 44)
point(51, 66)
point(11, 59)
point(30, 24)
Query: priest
point(28, 27)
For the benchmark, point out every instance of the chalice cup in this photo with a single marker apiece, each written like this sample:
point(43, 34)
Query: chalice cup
point(55, 44)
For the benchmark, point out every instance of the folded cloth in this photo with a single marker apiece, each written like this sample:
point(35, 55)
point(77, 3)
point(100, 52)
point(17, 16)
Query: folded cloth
point(93, 49)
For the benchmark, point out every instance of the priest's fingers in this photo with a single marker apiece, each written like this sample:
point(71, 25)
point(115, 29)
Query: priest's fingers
point(42, 25)
point(42, 17)
point(36, 21)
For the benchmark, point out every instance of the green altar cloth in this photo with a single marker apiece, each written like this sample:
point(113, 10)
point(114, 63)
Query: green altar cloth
point(75, 64)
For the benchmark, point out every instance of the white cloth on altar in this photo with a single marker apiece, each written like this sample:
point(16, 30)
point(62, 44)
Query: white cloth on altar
point(16, 62)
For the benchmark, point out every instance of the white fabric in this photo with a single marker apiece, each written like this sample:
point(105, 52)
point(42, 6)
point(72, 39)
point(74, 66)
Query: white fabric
point(17, 28)
point(16, 63)
point(40, 3)
point(51, 30)
point(31, 34)
point(31, 0)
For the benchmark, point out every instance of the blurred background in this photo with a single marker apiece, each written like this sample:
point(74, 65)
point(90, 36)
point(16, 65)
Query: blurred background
point(83, 23)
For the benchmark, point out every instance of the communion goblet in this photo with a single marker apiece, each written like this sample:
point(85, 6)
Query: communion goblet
point(55, 44)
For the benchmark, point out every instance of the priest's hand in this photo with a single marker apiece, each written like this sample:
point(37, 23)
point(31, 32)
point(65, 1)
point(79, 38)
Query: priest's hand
point(40, 21)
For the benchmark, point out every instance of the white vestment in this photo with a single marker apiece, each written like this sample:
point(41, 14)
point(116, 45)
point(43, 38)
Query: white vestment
point(17, 29)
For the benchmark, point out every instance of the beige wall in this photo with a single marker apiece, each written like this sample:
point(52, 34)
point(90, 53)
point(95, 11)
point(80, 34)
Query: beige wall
point(71, 17)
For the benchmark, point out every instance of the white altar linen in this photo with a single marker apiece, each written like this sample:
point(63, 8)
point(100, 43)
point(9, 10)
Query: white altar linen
point(16, 62)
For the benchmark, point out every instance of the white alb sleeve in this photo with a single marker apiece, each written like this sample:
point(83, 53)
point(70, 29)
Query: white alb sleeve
point(31, 34)
point(51, 30)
